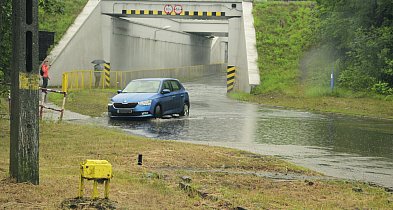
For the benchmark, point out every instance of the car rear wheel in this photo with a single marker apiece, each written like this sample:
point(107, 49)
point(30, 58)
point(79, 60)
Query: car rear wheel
point(157, 112)
point(186, 110)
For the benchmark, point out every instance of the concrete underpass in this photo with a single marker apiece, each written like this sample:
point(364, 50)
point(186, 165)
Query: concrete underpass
point(146, 35)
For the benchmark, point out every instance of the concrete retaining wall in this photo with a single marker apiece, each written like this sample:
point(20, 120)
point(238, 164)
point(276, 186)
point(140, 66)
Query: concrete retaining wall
point(137, 46)
point(219, 50)
point(250, 45)
point(82, 43)
point(187, 73)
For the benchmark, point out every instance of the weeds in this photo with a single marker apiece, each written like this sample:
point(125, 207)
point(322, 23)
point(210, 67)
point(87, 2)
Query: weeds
point(57, 16)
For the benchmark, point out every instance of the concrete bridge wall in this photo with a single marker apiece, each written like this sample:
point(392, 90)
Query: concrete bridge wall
point(83, 42)
point(136, 46)
point(219, 50)
point(242, 50)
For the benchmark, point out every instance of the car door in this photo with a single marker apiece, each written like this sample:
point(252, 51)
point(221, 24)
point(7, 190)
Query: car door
point(177, 97)
point(166, 100)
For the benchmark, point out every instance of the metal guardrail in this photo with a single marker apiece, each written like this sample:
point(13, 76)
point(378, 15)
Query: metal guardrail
point(88, 79)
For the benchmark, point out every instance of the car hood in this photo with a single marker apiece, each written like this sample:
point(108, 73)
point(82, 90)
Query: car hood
point(133, 97)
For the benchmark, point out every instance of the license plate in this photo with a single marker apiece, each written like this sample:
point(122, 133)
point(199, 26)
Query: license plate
point(124, 111)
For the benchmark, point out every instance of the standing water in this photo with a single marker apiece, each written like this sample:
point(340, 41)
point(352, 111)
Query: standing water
point(339, 146)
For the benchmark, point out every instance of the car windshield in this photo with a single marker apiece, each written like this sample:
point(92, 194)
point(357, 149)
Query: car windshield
point(142, 86)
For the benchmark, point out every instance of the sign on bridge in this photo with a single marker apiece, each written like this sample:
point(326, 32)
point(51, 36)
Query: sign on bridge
point(178, 9)
point(168, 9)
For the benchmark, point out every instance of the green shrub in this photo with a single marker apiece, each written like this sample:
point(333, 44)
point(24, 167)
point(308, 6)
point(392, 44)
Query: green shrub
point(382, 88)
point(355, 80)
point(52, 6)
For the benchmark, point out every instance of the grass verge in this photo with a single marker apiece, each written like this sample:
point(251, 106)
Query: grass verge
point(367, 107)
point(91, 102)
point(222, 178)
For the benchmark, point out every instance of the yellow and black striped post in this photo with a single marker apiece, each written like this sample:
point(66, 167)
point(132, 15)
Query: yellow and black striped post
point(107, 69)
point(231, 72)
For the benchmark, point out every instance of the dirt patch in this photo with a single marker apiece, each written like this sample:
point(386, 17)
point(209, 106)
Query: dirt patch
point(88, 203)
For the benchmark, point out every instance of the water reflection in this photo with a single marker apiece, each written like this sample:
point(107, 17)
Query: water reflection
point(365, 137)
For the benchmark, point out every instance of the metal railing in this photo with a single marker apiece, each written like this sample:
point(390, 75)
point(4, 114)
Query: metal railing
point(88, 79)
point(44, 99)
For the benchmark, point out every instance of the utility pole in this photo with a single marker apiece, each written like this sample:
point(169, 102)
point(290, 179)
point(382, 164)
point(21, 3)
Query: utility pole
point(24, 163)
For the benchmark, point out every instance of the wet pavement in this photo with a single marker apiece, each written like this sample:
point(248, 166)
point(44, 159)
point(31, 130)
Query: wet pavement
point(67, 115)
point(338, 146)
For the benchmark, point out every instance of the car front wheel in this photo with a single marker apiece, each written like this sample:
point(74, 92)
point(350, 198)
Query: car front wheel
point(186, 110)
point(157, 112)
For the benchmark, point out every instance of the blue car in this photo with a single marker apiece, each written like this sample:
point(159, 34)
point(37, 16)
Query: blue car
point(150, 97)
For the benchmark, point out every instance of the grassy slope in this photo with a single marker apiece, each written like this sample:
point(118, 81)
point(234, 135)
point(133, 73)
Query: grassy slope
point(282, 31)
point(290, 77)
point(59, 22)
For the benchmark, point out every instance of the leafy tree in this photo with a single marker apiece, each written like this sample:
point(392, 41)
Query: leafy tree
point(5, 40)
point(360, 32)
point(51, 6)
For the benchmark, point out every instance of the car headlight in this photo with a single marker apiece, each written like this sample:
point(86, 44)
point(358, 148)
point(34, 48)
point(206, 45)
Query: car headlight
point(110, 103)
point(145, 103)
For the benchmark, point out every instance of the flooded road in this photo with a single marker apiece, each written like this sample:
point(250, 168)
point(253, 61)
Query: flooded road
point(339, 146)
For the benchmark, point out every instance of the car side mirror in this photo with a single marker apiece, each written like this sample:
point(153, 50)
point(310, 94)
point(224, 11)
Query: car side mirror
point(119, 91)
point(165, 91)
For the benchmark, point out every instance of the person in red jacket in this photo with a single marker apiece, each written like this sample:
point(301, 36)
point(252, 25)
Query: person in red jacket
point(45, 73)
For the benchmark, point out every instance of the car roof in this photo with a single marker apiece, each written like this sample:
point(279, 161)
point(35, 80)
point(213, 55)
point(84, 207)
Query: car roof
point(158, 79)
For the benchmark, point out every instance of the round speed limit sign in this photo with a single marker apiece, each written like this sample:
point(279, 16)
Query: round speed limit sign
point(178, 9)
point(168, 9)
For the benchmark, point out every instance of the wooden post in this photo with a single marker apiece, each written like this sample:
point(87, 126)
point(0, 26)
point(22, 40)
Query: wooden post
point(24, 162)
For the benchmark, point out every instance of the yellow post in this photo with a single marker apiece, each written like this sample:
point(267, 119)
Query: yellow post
point(95, 190)
point(91, 79)
point(106, 193)
point(64, 85)
point(77, 80)
point(72, 79)
point(83, 81)
point(81, 187)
